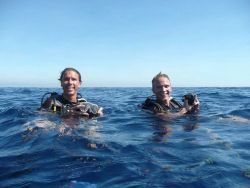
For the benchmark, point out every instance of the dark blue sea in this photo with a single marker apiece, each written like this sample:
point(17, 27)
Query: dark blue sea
point(126, 147)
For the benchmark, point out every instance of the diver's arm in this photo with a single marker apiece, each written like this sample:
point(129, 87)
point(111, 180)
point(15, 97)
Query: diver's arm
point(170, 115)
point(186, 109)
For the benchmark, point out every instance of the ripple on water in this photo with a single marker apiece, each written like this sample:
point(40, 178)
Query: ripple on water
point(126, 147)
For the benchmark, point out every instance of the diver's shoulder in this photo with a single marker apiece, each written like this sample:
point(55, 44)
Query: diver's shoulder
point(48, 98)
point(151, 105)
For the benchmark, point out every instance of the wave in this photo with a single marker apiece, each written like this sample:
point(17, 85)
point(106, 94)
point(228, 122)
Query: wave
point(127, 147)
point(244, 113)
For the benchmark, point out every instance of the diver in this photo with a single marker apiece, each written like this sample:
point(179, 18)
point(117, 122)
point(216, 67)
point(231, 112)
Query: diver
point(163, 105)
point(70, 102)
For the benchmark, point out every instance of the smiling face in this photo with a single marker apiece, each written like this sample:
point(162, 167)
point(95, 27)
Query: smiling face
point(70, 83)
point(162, 89)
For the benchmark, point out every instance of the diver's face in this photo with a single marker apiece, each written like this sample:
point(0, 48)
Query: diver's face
point(162, 89)
point(70, 83)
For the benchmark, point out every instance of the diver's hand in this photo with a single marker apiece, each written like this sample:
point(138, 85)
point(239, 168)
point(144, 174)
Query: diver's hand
point(80, 110)
point(85, 110)
point(196, 105)
point(100, 111)
point(191, 108)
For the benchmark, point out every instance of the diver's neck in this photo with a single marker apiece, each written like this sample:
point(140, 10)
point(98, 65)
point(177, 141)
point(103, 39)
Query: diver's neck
point(70, 98)
point(165, 102)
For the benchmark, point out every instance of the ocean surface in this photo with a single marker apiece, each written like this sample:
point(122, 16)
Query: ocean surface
point(126, 147)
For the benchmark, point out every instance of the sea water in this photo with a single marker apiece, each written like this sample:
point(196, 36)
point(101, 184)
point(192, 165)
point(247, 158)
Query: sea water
point(127, 147)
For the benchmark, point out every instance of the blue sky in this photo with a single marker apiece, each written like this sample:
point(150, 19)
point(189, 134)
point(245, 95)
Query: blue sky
point(125, 42)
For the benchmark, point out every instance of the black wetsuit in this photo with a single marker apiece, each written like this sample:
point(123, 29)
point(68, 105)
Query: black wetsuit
point(156, 107)
point(57, 103)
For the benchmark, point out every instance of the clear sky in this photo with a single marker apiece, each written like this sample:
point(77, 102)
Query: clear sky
point(125, 42)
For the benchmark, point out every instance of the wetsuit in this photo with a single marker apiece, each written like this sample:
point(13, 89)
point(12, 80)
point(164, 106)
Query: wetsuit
point(57, 103)
point(156, 107)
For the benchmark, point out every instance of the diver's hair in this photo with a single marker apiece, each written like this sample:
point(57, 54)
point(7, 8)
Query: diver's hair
point(70, 69)
point(158, 76)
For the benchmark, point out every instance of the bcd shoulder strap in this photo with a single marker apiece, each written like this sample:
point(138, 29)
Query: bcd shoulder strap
point(175, 103)
point(152, 105)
